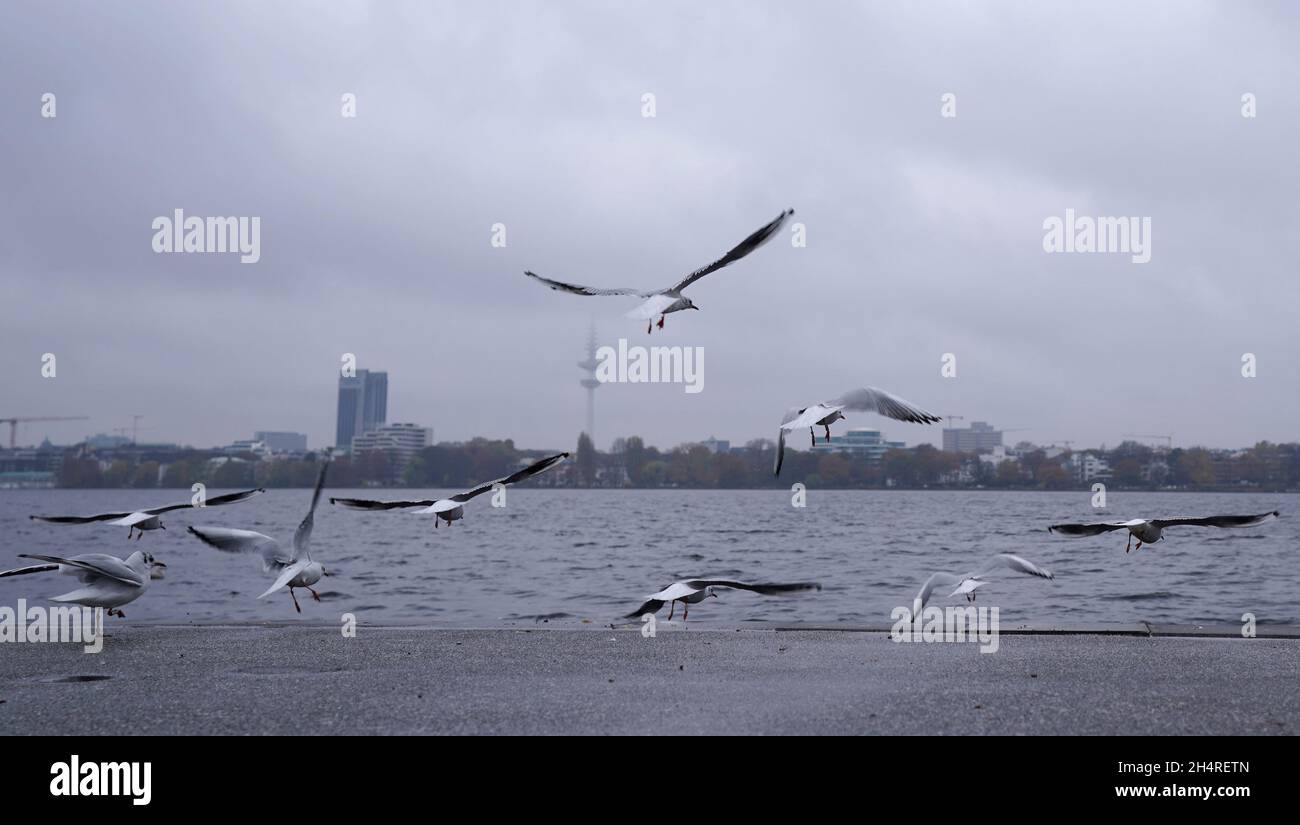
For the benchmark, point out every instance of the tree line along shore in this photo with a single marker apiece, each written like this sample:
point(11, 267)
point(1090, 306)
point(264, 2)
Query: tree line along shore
point(631, 463)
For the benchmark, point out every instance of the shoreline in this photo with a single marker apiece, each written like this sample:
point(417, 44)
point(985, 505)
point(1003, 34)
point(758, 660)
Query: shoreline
point(292, 679)
point(1140, 629)
point(785, 489)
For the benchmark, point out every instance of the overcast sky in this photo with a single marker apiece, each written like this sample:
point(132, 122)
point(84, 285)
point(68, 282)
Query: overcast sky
point(924, 233)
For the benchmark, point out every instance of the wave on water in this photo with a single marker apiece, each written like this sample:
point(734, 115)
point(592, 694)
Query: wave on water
point(1140, 597)
point(871, 550)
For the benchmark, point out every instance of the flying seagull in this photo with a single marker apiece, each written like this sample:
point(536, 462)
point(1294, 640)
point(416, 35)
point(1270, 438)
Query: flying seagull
point(863, 399)
point(452, 509)
point(670, 299)
point(694, 591)
point(142, 520)
point(1151, 531)
point(968, 583)
point(292, 569)
point(107, 580)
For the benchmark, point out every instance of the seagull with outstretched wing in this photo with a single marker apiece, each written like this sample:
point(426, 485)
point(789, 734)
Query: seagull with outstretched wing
point(452, 509)
point(660, 302)
point(142, 520)
point(694, 591)
point(968, 583)
point(1150, 531)
point(107, 581)
point(292, 567)
point(863, 399)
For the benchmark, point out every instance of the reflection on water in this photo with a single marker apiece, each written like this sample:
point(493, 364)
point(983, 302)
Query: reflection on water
point(573, 555)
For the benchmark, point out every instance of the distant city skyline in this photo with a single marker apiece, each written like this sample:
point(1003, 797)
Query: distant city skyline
point(877, 437)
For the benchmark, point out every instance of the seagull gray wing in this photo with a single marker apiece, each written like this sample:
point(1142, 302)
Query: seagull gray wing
point(882, 402)
point(809, 416)
point(368, 504)
point(302, 536)
point(229, 498)
point(531, 470)
point(22, 571)
point(1014, 562)
point(80, 519)
point(1095, 529)
point(650, 606)
point(216, 501)
point(754, 241)
point(286, 575)
point(766, 588)
point(1217, 521)
point(780, 452)
point(227, 540)
point(935, 580)
point(97, 564)
point(578, 289)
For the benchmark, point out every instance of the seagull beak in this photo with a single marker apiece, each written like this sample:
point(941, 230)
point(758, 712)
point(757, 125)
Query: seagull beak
point(159, 564)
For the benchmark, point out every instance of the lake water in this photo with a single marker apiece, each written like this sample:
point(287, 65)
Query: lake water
point(574, 555)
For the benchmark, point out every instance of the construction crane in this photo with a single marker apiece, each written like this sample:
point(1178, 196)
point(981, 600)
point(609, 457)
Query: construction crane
point(1169, 439)
point(952, 418)
point(14, 422)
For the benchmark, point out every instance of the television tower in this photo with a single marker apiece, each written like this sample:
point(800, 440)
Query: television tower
point(590, 383)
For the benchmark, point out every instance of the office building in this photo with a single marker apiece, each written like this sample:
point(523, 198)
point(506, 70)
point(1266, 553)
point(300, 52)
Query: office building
point(399, 441)
point(282, 442)
point(716, 445)
point(863, 442)
point(979, 437)
point(363, 405)
point(1087, 467)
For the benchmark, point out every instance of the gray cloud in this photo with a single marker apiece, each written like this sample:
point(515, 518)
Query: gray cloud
point(924, 233)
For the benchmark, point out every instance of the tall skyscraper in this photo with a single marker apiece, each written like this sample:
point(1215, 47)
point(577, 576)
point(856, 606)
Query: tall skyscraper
point(363, 406)
point(374, 412)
